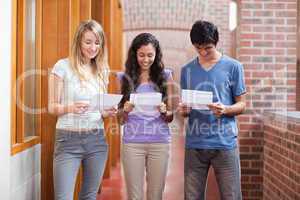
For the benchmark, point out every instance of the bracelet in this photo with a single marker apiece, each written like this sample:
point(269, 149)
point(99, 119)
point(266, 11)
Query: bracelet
point(165, 114)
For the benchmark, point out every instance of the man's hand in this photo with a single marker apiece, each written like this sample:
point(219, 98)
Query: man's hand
point(218, 109)
point(183, 109)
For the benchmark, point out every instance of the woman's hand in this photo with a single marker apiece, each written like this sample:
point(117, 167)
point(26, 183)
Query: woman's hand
point(123, 112)
point(128, 107)
point(110, 112)
point(166, 115)
point(183, 109)
point(78, 107)
point(162, 108)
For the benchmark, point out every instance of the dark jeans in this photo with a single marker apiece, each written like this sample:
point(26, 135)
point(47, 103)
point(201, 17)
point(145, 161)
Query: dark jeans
point(226, 164)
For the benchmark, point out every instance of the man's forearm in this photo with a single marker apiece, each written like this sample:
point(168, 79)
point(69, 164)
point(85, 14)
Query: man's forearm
point(235, 109)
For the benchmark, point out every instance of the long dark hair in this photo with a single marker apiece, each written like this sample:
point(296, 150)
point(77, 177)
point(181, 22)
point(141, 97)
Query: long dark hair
point(130, 80)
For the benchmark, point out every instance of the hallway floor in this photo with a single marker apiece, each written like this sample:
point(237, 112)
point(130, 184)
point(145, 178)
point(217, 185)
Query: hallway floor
point(114, 187)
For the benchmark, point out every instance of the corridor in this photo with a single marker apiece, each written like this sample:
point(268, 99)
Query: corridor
point(114, 187)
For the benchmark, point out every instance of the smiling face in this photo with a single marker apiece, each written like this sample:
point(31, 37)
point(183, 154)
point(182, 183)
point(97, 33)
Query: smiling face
point(146, 56)
point(90, 45)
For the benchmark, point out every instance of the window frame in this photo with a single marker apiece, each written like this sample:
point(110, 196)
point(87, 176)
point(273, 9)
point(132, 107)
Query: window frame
point(18, 140)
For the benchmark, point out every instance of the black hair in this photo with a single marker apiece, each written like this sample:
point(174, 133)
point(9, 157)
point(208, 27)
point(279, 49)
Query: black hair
point(204, 32)
point(130, 80)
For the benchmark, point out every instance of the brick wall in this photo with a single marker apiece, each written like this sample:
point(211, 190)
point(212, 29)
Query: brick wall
point(171, 20)
point(281, 156)
point(266, 45)
point(267, 48)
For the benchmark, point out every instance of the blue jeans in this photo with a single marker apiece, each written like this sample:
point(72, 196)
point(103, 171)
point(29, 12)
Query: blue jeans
point(226, 164)
point(71, 150)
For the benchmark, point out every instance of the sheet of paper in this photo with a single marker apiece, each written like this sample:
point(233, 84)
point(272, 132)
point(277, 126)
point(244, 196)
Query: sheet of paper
point(146, 103)
point(197, 99)
point(104, 101)
point(146, 99)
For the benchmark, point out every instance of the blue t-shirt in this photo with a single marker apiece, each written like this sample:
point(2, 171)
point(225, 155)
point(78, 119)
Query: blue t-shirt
point(226, 80)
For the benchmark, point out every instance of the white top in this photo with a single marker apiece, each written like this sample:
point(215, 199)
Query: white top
point(75, 90)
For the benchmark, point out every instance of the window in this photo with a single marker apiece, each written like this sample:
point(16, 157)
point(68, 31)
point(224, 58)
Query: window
point(26, 75)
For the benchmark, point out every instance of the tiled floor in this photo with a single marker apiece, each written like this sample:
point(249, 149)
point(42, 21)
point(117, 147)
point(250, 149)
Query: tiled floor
point(114, 187)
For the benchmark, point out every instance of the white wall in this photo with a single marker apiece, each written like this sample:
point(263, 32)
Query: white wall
point(25, 177)
point(20, 174)
point(5, 85)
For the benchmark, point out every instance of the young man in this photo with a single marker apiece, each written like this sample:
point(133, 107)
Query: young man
point(211, 135)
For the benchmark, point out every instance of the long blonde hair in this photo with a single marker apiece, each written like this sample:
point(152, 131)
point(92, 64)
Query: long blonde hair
point(100, 62)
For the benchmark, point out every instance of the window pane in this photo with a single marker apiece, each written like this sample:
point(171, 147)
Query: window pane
point(29, 69)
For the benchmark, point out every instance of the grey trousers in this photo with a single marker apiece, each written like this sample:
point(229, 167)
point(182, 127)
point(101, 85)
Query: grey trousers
point(226, 164)
point(71, 150)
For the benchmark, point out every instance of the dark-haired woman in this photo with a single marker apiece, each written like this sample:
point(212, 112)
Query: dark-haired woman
point(146, 137)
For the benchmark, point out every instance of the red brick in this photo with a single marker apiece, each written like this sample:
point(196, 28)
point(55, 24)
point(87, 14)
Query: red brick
point(245, 59)
point(263, 74)
point(286, 14)
point(244, 149)
point(246, 13)
point(274, 6)
point(256, 179)
point(252, 21)
point(245, 43)
point(286, 29)
point(264, 29)
point(291, 51)
point(292, 5)
point(274, 21)
point(263, 44)
point(251, 6)
point(274, 36)
point(270, 77)
point(253, 66)
point(291, 21)
point(251, 36)
point(250, 127)
point(245, 178)
point(245, 28)
point(250, 142)
point(274, 52)
point(286, 44)
point(263, 13)
point(250, 51)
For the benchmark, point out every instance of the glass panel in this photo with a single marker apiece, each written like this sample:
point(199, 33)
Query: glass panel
point(29, 69)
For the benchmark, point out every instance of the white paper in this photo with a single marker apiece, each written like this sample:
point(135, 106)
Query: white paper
point(146, 99)
point(196, 99)
point(104, 101)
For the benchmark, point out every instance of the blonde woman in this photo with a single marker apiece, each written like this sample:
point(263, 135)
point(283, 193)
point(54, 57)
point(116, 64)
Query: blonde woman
point(79, 130)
